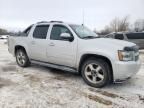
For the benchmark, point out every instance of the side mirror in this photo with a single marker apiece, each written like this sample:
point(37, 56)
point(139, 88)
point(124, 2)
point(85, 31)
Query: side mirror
point(67, 36)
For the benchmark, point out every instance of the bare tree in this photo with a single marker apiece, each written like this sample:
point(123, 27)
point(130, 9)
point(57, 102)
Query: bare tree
point(106, 30)
point(118, 25)
point(124, 24)
point(143, 26)
point(139, 25)
point(114, 25)
point(3, 31)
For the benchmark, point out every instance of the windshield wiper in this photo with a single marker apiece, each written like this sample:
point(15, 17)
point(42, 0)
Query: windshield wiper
point(90, 37)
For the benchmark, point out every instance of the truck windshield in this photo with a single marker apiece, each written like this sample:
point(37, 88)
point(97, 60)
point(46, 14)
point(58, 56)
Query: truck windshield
point(83, 32)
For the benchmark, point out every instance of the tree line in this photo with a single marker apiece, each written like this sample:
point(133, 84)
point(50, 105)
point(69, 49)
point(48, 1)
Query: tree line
point(3, 31)
point(121, 25)
point(6, 32)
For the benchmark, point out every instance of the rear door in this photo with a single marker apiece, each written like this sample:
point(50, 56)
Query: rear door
point(137, 38)
point(38, 43)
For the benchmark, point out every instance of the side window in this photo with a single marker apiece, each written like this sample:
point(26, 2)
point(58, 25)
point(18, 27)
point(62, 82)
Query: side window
point(26, 32)
point(57, 30)
point(135, 36)
point(119, 36)
point(40, 31)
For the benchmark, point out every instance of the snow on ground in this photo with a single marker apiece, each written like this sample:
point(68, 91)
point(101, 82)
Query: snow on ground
point(43, 87)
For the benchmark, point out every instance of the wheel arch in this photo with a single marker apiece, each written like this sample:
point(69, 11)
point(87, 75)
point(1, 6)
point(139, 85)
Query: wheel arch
point(87, 56)
point(17, 47)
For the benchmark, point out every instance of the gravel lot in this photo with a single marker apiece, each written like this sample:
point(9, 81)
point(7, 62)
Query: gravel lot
point(43, 87)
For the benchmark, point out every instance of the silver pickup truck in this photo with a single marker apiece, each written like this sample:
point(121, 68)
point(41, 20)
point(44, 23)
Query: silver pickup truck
point(75, 48)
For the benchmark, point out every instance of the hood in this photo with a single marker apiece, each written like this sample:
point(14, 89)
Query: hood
point(117, 42)
point(108, 43)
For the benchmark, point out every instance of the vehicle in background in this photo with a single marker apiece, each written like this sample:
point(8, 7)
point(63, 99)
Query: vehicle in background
point(3, 36)
point(73, 47)
point(137, 37)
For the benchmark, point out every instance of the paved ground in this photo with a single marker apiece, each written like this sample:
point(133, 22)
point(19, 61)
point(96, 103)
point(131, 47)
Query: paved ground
point(42, 87)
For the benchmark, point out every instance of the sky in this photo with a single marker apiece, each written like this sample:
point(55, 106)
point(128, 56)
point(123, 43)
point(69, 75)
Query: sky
point(18, 14)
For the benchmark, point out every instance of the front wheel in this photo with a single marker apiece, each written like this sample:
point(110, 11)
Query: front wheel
point(95, 72)
point(22, 58)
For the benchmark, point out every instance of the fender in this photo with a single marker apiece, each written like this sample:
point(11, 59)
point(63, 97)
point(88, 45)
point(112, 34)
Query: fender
point(102, 53)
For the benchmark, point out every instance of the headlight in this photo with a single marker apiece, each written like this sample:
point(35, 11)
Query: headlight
point(127, 55)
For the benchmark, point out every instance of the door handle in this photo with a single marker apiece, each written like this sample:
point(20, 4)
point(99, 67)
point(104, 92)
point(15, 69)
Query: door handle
point(51, 44)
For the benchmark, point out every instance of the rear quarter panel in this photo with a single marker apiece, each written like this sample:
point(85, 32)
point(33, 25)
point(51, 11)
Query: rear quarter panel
point(14, 41)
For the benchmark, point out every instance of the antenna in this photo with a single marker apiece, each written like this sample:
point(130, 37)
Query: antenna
point(83, 16)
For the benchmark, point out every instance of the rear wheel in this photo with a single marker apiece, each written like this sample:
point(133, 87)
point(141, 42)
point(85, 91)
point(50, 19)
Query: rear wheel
point(22, 58)
point(95, 72)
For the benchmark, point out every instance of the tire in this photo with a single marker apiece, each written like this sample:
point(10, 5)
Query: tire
point(96, 72)
point(22, 58)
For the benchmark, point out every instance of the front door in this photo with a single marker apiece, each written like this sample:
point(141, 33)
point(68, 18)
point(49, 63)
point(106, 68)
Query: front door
point(61, 51)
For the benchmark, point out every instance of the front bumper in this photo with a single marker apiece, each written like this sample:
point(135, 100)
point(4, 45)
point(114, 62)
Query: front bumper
point(124, 70)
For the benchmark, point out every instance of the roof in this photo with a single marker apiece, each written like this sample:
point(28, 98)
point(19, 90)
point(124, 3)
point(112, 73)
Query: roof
point(49, 22)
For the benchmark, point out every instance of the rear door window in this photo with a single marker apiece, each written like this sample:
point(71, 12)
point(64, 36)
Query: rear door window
point(119, 36)
point(135, 35)
point(40, 31)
